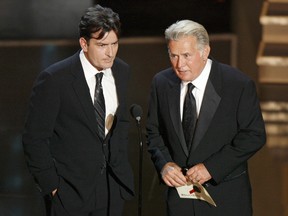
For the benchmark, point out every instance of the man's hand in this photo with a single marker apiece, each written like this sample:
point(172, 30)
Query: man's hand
point(172, 175)
point(198, 173)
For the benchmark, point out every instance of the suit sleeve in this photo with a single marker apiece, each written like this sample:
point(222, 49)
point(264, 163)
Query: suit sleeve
point(159, 152)
point(249, 139)
point(43, 109)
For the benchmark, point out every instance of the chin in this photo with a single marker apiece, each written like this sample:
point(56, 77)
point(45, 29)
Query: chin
point(107, 66)
point(184, 78)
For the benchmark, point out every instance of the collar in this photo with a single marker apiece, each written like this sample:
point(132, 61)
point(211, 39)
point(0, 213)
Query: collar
point(89, 70)
point(201, 80)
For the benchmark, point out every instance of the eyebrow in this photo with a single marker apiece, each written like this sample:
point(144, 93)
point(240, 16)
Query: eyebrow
point(102, 43)
point(181, 54)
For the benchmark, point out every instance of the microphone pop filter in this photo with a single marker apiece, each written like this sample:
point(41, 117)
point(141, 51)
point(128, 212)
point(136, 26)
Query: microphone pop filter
point(136, 111)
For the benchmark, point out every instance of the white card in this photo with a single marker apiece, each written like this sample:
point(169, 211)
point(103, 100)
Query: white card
point(195, 191)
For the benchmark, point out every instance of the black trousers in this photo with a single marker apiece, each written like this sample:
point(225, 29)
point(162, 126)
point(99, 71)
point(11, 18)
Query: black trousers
point(115, 202)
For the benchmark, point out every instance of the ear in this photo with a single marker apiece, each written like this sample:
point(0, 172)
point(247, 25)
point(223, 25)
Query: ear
point(83, 44)
point(206, 52)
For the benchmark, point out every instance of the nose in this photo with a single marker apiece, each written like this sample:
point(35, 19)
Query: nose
point(110, 50)
point(180, 62)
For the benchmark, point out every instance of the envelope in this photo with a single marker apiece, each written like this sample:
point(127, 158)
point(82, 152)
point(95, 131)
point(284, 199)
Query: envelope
point(195, 191)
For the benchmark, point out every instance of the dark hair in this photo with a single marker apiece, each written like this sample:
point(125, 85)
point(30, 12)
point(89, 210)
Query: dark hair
point(101, 19)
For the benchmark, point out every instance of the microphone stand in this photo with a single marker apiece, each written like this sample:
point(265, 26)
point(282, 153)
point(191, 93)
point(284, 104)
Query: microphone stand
point(136, 112)
point(140, 167)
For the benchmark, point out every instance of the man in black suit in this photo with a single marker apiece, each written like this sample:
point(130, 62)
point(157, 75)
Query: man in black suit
point(229, 126)
point(79, 171)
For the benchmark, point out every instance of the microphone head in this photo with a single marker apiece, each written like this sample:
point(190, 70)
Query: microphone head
point(136, 111)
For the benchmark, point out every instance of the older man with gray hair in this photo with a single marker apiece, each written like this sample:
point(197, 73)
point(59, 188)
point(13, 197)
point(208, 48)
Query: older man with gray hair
point(204, 123)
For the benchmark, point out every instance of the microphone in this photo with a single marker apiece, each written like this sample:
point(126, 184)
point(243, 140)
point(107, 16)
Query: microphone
point(136, 112)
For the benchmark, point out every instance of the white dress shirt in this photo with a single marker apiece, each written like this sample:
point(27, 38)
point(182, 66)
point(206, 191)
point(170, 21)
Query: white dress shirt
point(200, 85)
point(108, 84)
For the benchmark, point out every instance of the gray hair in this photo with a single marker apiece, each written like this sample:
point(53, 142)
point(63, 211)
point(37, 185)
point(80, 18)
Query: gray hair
point(188, 28)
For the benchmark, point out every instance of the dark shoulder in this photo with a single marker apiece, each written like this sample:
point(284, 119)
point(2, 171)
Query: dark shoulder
point(120, 68)
point(65, 62)
point(60, 71)
point(120, 63)
point(167, 78)
point(228, 73)
point(167, 74)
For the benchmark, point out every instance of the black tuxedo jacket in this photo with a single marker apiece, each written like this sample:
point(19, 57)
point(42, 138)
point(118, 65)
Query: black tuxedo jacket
point(229, 131)
point(61, 142)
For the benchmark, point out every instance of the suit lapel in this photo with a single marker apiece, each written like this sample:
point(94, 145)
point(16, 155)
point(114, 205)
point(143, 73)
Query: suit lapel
point(82, 91)
point(119, 83)
point(173, 97)
point(209, 106)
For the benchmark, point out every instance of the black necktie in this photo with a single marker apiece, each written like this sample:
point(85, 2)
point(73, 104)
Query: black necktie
point(189, 116)
point(99, 105)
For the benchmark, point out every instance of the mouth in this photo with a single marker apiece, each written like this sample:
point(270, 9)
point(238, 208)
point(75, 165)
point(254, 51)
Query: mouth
point(182, 71)
point(108, 60)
